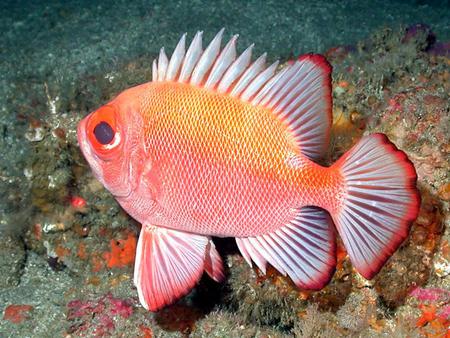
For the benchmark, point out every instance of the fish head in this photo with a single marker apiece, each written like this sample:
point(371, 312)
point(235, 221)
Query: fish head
point(110, 139)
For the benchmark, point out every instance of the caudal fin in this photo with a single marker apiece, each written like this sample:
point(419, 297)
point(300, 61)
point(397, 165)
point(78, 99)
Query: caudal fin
point(380, 202)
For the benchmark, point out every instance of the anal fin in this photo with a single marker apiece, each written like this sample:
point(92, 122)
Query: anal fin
point(213, 263)
point(169, 263)
point(304, 249)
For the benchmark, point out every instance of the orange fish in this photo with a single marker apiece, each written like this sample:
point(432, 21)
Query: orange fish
point(218, 145)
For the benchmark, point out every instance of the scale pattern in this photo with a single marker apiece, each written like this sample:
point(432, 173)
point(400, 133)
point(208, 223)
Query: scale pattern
point(221, 166)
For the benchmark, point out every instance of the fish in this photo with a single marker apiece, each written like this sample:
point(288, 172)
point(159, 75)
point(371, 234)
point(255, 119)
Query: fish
point(218, 145)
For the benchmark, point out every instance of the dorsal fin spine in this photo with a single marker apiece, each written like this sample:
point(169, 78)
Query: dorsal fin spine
point(176, 59)
point(162, 64)
point(154, 71)
point(192, 55)
point(235, 70)
point(249, 75)
point(226, 57)
point(299, 95)
point(207, 59)
point(258, 82)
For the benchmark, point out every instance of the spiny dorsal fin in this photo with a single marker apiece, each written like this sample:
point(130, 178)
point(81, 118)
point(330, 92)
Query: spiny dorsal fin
point(299, 94)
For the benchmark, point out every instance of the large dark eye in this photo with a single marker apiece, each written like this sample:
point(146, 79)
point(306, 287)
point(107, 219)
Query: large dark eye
point(103, 133)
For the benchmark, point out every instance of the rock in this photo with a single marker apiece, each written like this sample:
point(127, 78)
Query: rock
point(12, 258)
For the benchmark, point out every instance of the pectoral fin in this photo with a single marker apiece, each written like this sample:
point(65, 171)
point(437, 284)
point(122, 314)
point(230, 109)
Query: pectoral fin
point(169, 263)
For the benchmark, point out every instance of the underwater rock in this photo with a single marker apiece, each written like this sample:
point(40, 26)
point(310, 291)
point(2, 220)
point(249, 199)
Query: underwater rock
point(43, 289)
point(358, 311)
point(12, 258)
point(220, 324)
point(263, 300)
point(314, 323)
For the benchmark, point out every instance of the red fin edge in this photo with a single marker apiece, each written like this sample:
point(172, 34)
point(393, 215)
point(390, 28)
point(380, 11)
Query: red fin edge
point(168, 265)
point(321, 62)
point(381, 203)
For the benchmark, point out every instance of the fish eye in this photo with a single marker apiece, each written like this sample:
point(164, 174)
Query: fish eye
point(104, 133)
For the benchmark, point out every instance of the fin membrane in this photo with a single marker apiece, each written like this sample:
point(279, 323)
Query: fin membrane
point(304, 249)
point(381, 201)
point(300, 94)
point(169, 263)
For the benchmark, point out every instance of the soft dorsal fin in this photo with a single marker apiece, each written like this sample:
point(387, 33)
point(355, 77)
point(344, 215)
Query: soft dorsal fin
point(299, 94)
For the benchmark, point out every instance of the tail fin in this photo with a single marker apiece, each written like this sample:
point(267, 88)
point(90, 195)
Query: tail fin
point(380, 202)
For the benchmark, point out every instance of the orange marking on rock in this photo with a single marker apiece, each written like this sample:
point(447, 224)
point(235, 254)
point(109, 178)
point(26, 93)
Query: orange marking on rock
point(343, 84)
point(428, 315)
point(78, 202)
point(122, 252)
point(147, 332)
point(37, 231)
point(81, 253)
point(61, 251)
point(97, 263)
point(17, 313)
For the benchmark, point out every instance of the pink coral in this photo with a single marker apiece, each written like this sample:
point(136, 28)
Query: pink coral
point(431, 295)
point(97, 317)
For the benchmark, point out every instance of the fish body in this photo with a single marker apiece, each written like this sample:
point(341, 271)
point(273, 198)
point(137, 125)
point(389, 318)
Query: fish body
point(229, 175)
point(218, 146)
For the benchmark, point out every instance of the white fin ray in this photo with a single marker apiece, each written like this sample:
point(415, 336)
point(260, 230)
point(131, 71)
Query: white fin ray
point(162, 65)
point(268, 86)
point(288, 82)
point(249, 75)
point(169, 263)
point(299, 95)
point(280, 88)
point(235, 70)
point(207, 59)
point(224, 60)
point(213, 263)
point(302, 98)
point(258, 82)
point(294, 87)
point(176, 59)
point(304, 249)
point(154, 71)
point(244, 252)
point(380, 205)
point(192, 55)
point(249, 253)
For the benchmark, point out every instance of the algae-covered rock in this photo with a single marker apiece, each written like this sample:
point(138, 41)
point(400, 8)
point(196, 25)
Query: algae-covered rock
point(12, 260)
